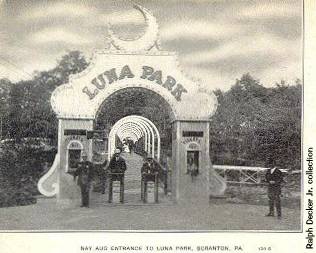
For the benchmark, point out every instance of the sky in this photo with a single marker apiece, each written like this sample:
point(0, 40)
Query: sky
point(216, 41)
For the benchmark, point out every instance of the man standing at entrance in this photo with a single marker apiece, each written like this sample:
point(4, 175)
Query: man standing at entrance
point(85, 174)
point(149, 167)
point(274, 178)
point(149, 172)
point(117, 169)
point(117, 163)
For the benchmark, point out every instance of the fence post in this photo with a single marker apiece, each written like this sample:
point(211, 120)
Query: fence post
point(156, 188)
point(111, 190)
point(122, 188)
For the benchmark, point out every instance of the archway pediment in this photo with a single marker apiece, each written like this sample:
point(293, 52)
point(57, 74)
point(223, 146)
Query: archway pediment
point(111, 71)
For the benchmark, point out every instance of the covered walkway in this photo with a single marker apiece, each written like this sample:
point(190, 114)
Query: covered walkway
point(138, 129)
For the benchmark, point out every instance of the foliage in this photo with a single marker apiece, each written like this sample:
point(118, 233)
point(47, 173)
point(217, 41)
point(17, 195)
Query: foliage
point(5, 86)
point(25, 111)
point(254, 123)
point(30, 113)
point(21, 166)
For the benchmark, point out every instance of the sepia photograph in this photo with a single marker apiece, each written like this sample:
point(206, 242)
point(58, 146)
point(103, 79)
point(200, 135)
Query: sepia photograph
point(152, 116)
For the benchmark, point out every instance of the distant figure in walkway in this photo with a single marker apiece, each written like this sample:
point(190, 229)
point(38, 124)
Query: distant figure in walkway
point(192, 167)
point(125, 146)
point(130, 145)
point(274, 178)
point(84, 172)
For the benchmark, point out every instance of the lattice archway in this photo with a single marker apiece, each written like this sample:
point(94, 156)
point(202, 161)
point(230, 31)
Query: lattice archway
point(139, 127)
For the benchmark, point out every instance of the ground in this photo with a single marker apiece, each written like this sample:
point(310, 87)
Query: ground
point(134, 215)
point(46, 215)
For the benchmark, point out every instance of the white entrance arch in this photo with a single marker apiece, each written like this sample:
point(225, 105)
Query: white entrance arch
point(135, 66)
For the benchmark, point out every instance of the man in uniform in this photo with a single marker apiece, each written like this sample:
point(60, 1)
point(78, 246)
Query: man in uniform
point(117, 163)
point(117, 167)
point(149, 167)
point(274, 178)
point(149, 172)
point(84, 172)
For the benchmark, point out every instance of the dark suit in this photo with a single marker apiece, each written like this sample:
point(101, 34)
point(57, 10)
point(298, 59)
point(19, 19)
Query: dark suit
point(117, 166)
point(85, 174)
point(117, 169)
point(274, 190)
point(149, 172)
point(149, 169)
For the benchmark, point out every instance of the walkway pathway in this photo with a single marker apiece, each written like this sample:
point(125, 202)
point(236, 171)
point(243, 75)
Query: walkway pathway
point(134, 163)
point(46, 215)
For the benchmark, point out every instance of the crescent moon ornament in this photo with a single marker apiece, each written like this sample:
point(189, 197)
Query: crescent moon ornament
point(145, 42)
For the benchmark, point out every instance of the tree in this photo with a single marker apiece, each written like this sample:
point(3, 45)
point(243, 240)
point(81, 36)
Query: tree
point(31, 114)
point(5, 86)
point(253, 123)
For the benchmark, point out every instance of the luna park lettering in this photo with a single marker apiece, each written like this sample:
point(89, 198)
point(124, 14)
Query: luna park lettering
point(148, 73)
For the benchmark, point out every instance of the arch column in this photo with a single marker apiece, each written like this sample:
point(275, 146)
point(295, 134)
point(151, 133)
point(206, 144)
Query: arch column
point(185, 190)
point(71, 130)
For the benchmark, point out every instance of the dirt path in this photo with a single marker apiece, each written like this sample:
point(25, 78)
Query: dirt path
point(46, 215)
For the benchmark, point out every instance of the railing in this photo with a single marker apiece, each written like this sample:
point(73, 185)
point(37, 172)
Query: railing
point(240, 174)
point(246, 175)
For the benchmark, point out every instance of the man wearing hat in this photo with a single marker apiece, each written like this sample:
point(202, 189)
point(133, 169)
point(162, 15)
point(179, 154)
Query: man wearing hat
point(149, 166)
point(149, 172)
point(117, 163)
point(274, 179)
point(84, 172)
point(117, 167)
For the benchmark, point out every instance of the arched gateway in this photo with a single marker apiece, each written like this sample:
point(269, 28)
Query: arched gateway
point(135, 69)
